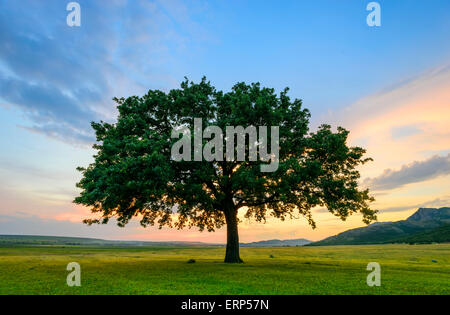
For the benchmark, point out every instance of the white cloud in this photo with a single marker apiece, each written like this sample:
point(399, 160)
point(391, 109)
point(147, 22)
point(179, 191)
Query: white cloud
point(411, 173)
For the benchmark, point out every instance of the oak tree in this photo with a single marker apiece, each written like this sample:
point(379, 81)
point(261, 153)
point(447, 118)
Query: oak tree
point(133, 174)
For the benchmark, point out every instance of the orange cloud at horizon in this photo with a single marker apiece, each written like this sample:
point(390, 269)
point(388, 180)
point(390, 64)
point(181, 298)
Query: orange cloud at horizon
point(422, 103)
point(421, 109)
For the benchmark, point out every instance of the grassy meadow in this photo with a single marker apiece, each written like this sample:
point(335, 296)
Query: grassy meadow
point(405, 269)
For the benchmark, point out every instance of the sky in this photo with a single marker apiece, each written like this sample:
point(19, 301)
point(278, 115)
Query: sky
point(389, 85)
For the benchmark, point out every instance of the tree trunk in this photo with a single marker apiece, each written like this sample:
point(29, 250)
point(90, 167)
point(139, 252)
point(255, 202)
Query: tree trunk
point(232, 252)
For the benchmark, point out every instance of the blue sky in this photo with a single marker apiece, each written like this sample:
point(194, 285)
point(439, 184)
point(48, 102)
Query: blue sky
point(55, 79)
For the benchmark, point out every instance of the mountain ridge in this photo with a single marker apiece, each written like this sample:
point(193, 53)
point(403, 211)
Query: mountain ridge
point(424, 220)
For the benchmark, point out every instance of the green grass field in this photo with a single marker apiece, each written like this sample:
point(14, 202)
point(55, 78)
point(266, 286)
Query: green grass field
point(405, 269)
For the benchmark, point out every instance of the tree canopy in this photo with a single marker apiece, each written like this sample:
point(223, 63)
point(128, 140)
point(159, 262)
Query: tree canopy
point(133, 174)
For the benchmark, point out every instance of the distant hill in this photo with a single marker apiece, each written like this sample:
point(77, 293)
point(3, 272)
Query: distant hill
point(436, 235)
point(15, 240)
point(425, 223)
point(277, 243)
point(26, 240)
